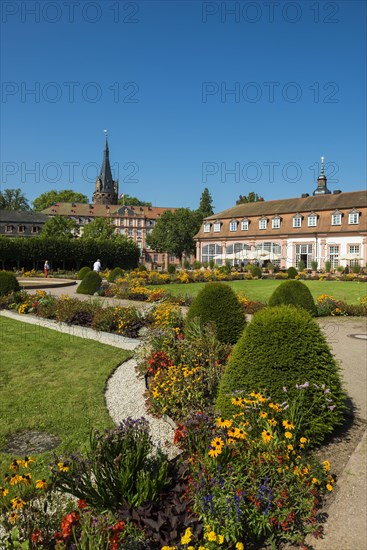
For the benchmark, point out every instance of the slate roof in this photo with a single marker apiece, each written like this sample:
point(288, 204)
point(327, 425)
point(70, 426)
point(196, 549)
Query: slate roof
point(22, 216)
point(105, 211)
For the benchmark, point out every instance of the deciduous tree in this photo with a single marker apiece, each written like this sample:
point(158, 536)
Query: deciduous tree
point(50, 197)
point(13, 199)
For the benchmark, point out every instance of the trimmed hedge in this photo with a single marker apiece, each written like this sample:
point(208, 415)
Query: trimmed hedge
point(115, 274)
point(292, 272)
point(218, 304)
point(82, 272)
point(293, 293)
point(8, 283)
point(90, 284)
point(281, 347)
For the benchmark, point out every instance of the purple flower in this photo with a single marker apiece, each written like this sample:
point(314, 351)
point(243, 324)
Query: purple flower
point(331, 407)
point(284, 389)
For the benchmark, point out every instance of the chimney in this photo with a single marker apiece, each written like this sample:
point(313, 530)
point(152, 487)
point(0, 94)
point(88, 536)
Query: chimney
point(304, 195)
point(336, 192)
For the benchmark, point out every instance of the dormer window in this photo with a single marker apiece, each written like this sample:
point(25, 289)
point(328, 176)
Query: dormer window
point(336, 218)
point(275, 222)
point(263, 223)
point(8, 229)
point(217, 226)
point(353, 217)
point(233, 225)
point(21, 228)
point(312, 220)
point(206, 227)
point(35, 229)
point(297, 220)
point(244, 224)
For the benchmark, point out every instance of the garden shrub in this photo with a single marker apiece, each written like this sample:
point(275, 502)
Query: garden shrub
point(292, 272)
point(217, 303)
point(75, 312)
point(142, 268)
point(171, 269)
point(293, 293)
point(8, 283)
point(82, 272)
point(104, 319)
point(283, 353)
point(90, 284)
point(116, 273)
point(256, 272)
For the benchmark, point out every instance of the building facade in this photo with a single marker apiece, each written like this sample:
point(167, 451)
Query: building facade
point(20, 223)
point(323, 227)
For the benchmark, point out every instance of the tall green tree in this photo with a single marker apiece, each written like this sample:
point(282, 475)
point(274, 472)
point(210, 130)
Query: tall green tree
point(13, 199)
point(99, 228)
point(174, 232)
point(60, 226)
point(50, 197)
point(251, 197)
point(127, 200)
point(206, 204)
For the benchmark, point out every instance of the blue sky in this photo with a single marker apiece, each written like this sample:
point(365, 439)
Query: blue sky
point(233, 96)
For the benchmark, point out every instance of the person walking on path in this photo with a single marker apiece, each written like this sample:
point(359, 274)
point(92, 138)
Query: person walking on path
point(46, 268)
point(97, 266)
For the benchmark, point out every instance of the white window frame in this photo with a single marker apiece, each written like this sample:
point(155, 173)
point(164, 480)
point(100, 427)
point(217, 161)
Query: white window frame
point(217, 227)
point(354, 249)
point(244, 225)
point(334, 251)
point(312, 220)
point(275, 223)
point(263, 224)
point(297, 222)
point(353, 218)
point(8, 229)
point(206, 227)
point(233, 226)
point(336, 219)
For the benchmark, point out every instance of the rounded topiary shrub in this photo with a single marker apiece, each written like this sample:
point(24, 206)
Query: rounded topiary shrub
point(171, 269)
point(115, 274)
point(90, 284)
point(292, 272)
point(82, 272)
point(217, 303)
point(256, 272)
point(8, 283)
point(293, 293)
point(283, 347)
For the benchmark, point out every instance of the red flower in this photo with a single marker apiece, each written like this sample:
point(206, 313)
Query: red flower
point(82, 504)
point(68, 522)
point(118, 527)
point(37, 536)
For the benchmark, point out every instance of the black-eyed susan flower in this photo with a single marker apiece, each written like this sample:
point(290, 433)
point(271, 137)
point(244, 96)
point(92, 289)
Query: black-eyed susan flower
point(288, 425)
point(63, 466)
point(223, 423)
point(17, 503)
point(272, 422)
point(13, 517)
point(231, 432)
point(240, 434)
point(267, 436)
point(213, 453)
point(14, 479)
point(3, 491)
point(41, 484)
point(263, 415)
point(14, 466)
point(26, 479)
point(236, 401)
point(217, 443)
point(27, 461)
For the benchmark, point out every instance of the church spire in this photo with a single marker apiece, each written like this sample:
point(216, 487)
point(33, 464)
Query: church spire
point(106, 188)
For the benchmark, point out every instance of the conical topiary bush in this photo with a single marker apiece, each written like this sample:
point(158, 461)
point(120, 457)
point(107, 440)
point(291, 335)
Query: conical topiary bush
point(283, 347)
point(293, 293)
point(217, 303)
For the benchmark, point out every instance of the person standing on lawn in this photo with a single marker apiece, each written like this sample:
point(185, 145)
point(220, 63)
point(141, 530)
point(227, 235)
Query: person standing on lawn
point(46, 268)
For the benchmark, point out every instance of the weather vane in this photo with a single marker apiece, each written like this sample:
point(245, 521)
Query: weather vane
point(322, 165)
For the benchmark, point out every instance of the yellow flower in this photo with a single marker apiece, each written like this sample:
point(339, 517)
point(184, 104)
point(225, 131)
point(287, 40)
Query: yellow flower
point(212, 536)
point(13, 517)
point(315, 481)
point(217, 443)
point(288, 435)
point(220, 539)
point(17, 503)
point(215, 452)
point(187, 536)
point(236, 401)
point(263, 415)
point(272, 422)
point(63, 467)
point(303, 439)
point(267, 436)
point(326, 465)
point(223, 423)
point(26, 479)
point(15, 479)
point(3, 491)
point(14, 466)
point(231, 441)
point(329, 487)
point(240, 546)
point(27, 461)
point(290, 447)
point(41, 484)
point(240, 434)
point(288, 425)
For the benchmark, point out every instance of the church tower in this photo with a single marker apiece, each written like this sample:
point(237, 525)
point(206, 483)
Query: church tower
point(106, 188)
point(322, 188)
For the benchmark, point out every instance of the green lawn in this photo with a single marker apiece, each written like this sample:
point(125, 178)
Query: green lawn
point(52, 382)
point(348, 291)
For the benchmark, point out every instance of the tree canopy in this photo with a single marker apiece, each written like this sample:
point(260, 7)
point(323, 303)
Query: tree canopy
point(13, 199)
point(50, 197)
point(206, 204)
point(251, 197)
point(99, 228)
point(60, 226)
point(127, 200)
point(174, 232)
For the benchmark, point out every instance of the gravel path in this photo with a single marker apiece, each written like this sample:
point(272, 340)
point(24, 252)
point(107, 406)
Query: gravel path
point(125, 390)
